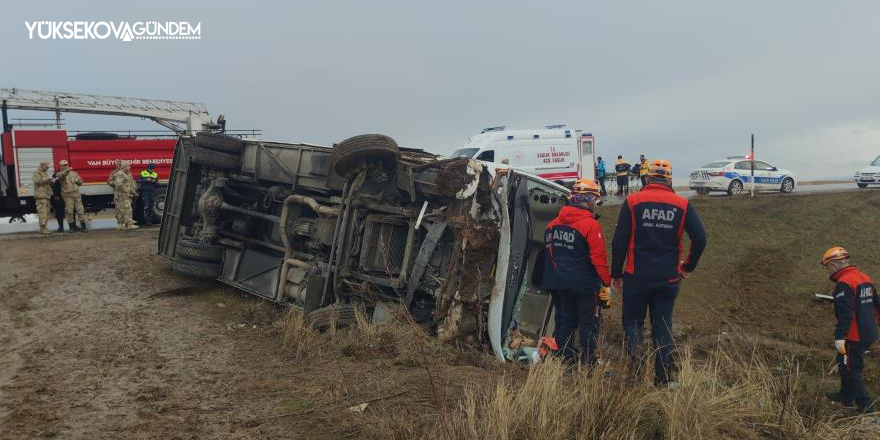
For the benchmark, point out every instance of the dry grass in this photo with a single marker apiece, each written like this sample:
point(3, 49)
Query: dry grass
point(419, 388)
point(726, 396)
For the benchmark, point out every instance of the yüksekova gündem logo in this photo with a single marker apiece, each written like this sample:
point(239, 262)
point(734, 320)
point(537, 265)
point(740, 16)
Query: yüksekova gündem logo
point(102, 30)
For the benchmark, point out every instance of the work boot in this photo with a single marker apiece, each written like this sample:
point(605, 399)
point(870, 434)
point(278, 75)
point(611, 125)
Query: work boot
point(120, 226)
point(72, 227)
point(835, 397)
point(60, 226)
point(82, 226)
point(44, 231)
point(131, 226)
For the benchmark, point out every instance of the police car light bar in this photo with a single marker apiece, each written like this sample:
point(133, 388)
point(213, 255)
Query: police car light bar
point(555, 126)
point(498, 128)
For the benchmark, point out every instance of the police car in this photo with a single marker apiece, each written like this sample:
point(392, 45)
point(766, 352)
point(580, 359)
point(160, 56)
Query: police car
point(869, 175)
point(733, 175)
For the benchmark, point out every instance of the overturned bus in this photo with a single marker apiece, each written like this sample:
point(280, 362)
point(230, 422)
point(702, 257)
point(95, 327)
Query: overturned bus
point(366, 225)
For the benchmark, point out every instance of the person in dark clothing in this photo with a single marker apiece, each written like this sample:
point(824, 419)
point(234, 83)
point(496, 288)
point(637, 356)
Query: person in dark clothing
point(576, 271)
point(149, 181)
point(634, 172)
point(57, 201)
point(646, 265)
point(622, 169)
point(857, 308)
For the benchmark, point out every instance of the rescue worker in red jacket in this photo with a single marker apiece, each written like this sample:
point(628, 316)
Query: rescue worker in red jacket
point(648, 239)
point(856, 306)
point(575, 270)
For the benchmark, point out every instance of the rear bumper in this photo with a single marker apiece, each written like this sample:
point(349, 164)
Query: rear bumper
point(710, 185)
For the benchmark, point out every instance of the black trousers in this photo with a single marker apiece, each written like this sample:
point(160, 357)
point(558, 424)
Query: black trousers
point(58, 207)
point(852, 383)
point(657, 298)
point(602, 184)
point(576, 310)
point(622, 184)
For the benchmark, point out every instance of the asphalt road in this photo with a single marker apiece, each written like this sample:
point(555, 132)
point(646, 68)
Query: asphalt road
point(803, 189)
point(105, 219)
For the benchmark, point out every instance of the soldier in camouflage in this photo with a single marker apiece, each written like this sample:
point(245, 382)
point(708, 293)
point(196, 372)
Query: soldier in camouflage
point(73, 205)
point(124, 189)
point(42, 194)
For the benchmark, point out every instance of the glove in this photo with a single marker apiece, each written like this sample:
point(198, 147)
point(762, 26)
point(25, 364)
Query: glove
point(605, 297)
point(840, 345)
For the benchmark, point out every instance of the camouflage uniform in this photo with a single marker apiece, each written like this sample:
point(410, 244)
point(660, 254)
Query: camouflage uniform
point(42, 194)
point(70, 183)
point(117, 195)
point(123, 190)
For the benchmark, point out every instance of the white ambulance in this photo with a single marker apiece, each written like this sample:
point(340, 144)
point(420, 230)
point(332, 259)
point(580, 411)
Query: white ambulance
point(555, 153)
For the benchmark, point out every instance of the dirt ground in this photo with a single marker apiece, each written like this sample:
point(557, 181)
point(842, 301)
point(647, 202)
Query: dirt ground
point(100, 339)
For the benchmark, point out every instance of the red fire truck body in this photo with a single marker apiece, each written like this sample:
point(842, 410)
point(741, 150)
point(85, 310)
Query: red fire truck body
point(93, 156)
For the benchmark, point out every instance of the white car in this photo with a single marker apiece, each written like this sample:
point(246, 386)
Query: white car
point(869, 175)
point(733, 175)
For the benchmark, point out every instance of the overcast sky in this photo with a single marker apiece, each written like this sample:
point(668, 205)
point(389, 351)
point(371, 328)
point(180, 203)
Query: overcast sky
point(683, 80)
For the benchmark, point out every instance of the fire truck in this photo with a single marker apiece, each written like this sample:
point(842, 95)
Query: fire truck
point(92, 154)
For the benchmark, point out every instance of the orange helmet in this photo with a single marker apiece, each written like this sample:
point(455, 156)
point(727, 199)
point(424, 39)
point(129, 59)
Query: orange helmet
point(585, 186)
point(660, 168)
point(833, 254)
point(584, 190)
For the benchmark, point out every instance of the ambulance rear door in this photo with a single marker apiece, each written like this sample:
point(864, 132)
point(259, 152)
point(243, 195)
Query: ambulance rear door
point(587, 153)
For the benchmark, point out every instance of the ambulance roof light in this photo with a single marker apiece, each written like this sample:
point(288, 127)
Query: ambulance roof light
point(497, 128)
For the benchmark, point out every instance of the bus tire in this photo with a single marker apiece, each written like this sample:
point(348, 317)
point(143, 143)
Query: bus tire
point(219, 142)
point(350, 153)
point(215, 159)
point(195, 269)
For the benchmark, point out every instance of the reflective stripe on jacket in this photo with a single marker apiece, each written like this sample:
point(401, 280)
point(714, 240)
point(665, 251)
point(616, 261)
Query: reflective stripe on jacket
point(648, 235)
point(574, 252)
point(856, 306)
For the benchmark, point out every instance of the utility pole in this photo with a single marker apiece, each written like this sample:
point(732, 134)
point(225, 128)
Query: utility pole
point(752, 157)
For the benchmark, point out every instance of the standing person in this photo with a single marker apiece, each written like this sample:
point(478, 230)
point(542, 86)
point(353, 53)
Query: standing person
point(856, 305)
point(123, 187)
point(73, 205)
point(57, 201)
point(622, 169)
point(576, 270)
point(600, 174)
point(42, 194)
point(149, 181)
point(643, 170)
point(648, 241)
point(117, 195)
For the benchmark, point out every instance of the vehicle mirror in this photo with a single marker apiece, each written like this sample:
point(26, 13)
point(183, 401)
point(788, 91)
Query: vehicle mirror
point(774, 169)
